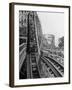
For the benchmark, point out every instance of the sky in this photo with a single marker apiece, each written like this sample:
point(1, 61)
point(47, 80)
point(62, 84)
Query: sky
point(52, 23)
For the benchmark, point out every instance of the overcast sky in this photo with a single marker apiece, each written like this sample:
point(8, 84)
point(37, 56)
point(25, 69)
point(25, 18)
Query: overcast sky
point(52, 23)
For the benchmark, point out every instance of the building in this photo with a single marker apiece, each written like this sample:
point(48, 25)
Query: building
point(50, 40)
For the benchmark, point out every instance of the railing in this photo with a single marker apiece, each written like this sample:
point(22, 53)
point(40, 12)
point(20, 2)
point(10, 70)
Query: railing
point(22, 54)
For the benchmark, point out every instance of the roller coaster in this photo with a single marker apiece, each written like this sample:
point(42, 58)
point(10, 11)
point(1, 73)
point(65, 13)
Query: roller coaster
point(33, 61)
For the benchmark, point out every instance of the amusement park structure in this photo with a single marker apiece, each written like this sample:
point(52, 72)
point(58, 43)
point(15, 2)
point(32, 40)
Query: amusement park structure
point(36, 61)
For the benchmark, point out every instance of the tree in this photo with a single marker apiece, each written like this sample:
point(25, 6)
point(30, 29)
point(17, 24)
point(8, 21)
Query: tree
point(61, 42)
